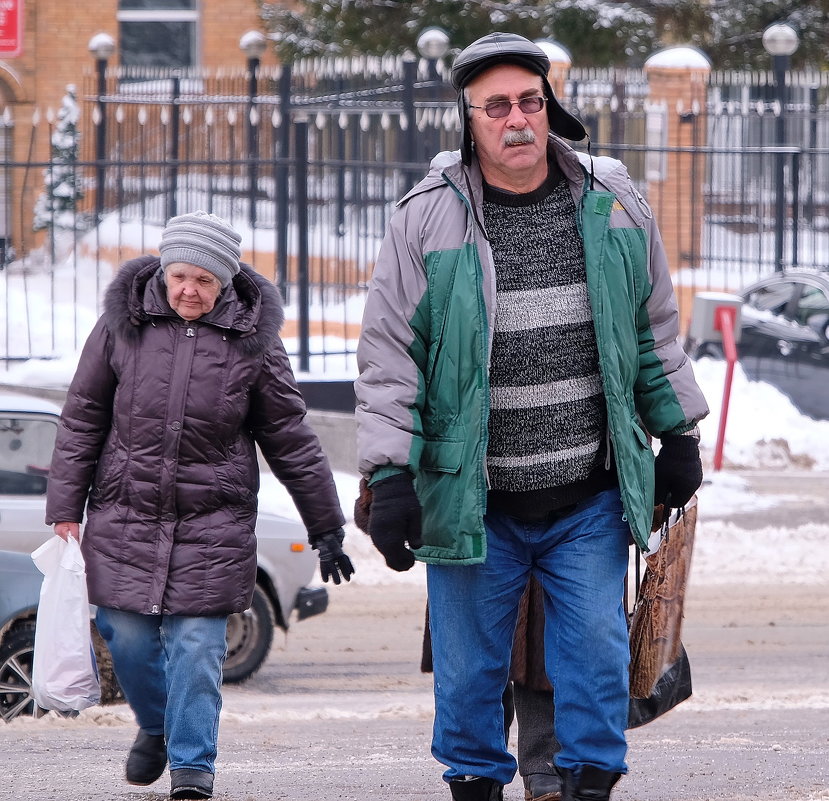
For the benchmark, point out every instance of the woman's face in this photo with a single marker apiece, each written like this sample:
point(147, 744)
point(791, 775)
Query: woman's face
point(191, 291)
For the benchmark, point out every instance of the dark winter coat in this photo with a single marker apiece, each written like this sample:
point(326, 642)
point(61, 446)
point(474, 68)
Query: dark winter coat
point(157, 440)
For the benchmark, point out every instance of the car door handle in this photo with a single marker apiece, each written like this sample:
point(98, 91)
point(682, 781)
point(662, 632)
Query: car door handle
point(784, 346)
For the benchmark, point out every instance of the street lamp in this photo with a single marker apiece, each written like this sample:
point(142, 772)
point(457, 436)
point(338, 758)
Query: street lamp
point(102, 46)
point(780, 41)
point(253, 44)
point(433, 43)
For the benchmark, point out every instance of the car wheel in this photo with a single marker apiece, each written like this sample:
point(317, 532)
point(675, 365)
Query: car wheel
point(16, 653)
point(713, 350)
point(249, 637)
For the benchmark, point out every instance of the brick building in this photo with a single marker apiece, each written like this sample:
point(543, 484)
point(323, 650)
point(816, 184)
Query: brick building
point(44, 47)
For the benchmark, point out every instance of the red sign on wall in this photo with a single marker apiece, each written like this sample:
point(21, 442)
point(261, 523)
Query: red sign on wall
point(11, 28)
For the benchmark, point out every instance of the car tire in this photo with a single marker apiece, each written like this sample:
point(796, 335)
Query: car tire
point(16, 656)
point(714, 350)
point(249, 638)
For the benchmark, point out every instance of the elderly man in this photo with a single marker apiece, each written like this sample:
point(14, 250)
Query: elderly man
point(519, 346)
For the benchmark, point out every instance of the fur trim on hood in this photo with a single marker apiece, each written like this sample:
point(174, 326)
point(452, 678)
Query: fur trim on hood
point(250, 307)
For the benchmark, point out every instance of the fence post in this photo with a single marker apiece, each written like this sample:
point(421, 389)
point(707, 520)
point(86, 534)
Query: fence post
point(172, 192)
point(678, 82)
point(303, 293)
point(100, 139)
point(410, 140)
point(252, 129)
point(282, 187)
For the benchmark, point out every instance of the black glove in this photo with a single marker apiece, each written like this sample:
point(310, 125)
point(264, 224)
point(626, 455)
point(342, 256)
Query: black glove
point(394, 520)
point(333, 562)
point(678, 470)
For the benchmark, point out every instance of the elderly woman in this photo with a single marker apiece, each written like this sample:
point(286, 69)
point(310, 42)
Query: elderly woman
point(182, 376)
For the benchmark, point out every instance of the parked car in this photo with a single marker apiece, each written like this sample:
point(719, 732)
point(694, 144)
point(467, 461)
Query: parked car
point(286, 563)
point(19, 594)
point(784, 337)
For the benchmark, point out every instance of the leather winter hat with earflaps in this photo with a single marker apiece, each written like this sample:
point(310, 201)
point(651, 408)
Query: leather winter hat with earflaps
point(508, 48)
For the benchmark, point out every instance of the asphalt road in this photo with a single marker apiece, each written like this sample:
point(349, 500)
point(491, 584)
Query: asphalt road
point(341, 711)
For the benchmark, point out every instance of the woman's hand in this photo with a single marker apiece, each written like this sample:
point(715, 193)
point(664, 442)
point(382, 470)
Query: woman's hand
point(67, 530)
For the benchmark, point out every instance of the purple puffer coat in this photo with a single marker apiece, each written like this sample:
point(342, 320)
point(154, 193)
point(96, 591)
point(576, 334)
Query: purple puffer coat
point(157, 441)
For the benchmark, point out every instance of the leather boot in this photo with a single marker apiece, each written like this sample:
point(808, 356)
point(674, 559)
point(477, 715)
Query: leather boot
point(147, 759)
point(592, 784)
point(477, 789)
point(186, 783)
point(542, 787)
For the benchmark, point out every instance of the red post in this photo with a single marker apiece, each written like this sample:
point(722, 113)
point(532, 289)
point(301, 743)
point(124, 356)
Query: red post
point(724, 320)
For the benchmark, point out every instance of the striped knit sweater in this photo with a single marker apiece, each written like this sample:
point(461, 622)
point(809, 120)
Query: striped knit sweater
point(547, 425)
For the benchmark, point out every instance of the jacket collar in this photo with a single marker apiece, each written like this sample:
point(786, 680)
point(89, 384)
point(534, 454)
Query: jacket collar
point(250, 307)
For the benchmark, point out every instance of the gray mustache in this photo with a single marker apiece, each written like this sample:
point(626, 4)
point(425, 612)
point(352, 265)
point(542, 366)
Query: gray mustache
point(523, 137)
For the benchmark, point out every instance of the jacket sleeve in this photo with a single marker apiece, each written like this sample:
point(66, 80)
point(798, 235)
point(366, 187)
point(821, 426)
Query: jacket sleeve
point(391, 353)
point(85, 422)
point(277, 418)
point(668, 397)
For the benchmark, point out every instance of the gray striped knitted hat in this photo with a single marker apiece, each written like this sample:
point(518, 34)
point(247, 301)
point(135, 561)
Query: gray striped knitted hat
point(206, 241)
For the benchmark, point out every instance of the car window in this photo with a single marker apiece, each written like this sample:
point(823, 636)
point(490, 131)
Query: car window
point(812, 306)
point(26, 444)
point(771, 298)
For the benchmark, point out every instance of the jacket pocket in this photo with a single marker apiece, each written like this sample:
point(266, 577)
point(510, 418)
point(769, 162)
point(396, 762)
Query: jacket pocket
point(442, 456)
point(232, 486)
point(109, 472)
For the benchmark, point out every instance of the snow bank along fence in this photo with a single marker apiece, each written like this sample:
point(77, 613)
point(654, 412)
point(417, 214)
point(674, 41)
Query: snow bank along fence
point(308, 160)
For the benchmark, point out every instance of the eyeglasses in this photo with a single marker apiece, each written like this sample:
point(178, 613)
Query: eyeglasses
point(502, 108)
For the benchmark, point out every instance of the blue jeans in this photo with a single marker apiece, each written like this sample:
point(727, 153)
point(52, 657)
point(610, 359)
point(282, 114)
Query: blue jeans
point(580, 560)
point(170, 669)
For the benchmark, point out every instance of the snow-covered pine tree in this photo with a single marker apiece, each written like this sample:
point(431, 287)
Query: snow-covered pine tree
point(56, 206)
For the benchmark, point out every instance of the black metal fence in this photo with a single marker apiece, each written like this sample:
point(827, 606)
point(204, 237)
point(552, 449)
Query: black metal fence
point(308, 163)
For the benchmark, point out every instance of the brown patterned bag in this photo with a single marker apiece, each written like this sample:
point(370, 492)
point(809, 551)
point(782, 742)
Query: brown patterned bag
point(656, 621)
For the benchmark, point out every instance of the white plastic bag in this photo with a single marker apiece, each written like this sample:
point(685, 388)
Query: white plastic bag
point(64, 673)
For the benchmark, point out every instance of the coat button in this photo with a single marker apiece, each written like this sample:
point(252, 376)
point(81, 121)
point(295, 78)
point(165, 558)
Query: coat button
point(175, 426)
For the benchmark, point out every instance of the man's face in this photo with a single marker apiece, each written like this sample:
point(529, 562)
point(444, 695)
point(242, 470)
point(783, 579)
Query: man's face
point(191, 291)
point(512, 150)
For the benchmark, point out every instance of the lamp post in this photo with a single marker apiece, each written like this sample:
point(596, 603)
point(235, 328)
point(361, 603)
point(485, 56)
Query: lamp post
point(253, 44)
point(433, 45)
point(780, 41)
point(102, 46)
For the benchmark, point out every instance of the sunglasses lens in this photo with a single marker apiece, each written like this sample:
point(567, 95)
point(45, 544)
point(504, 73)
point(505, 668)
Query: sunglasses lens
point(531, 105)
point(501, 108)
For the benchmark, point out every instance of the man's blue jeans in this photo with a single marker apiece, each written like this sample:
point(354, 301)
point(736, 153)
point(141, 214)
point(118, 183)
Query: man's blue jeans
point(580, 560)
point(170, 669)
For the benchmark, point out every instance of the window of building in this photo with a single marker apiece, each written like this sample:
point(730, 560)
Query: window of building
point(157, 33)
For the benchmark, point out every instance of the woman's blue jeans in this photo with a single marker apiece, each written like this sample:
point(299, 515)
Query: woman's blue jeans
point(170, 669)
point(581, 560)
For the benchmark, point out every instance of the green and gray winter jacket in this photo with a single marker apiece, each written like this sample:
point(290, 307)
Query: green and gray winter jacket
point(423, 390)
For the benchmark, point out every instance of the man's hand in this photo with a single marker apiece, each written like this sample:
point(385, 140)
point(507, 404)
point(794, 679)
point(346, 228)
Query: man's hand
point(67, 530)
point(333, 562)
point(394, 520)
point(678, 470)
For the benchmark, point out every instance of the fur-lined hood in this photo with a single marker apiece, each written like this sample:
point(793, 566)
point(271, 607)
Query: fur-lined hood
point(250, 307)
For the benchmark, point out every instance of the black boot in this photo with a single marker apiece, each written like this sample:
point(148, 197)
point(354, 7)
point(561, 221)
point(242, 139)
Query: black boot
point(477, 789)
point(147, 758)
point(542, 787)
point(592, 784)
point(187, 783)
